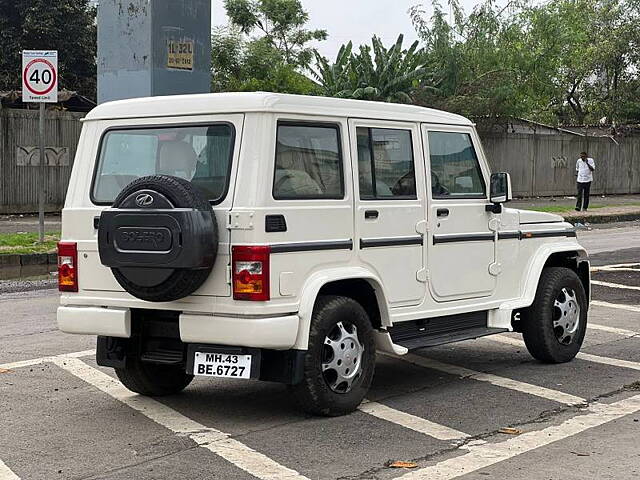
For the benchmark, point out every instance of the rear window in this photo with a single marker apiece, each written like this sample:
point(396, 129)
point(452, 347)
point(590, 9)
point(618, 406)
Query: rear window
point(200, 154)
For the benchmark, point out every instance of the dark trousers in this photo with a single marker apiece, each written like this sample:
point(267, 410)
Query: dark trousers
point(583, 195)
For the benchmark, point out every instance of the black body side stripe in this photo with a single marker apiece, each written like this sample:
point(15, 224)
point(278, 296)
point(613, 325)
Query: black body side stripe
point(508, 235)
point(471, 237)
point(520, 235)
point(390, 242)
point(548, 233)
point(311, 246)
point(417, 240)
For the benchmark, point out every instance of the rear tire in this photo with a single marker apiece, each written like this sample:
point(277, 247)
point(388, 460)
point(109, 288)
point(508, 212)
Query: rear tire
point(151, 379)
point(340, 360)
point(554, 326)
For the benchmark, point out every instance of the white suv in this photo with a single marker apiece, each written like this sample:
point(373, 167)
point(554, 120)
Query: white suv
point(288, 238)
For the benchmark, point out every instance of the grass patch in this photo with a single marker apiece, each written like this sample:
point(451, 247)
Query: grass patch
point(20, 243)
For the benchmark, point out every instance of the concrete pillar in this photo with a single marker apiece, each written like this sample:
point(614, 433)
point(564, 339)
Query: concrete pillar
point(153, 47)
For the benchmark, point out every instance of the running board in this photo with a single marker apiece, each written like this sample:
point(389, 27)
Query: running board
point(430, 332)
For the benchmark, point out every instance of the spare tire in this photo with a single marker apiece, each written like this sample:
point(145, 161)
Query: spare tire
point(159, 238)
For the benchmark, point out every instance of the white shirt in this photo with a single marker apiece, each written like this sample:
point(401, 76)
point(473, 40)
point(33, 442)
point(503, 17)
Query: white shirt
point(584, 172)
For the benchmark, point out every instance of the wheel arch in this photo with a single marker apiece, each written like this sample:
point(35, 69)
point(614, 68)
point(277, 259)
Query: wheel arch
point(356, 283)
point(553, 255)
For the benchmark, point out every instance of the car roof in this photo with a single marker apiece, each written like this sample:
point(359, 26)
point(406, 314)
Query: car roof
point(242, 102)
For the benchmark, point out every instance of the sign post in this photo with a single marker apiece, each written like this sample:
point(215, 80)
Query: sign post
point(40, 85)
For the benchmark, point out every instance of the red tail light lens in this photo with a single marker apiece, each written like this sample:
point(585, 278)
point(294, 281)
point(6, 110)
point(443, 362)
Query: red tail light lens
point(251, 273)
point(67, 266)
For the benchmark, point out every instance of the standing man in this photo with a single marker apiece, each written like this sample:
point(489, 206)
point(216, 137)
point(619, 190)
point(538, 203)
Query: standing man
point(585, 166)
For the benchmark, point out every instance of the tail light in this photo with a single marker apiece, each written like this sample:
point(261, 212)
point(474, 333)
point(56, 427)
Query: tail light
point(251, 273)
point(67, 266)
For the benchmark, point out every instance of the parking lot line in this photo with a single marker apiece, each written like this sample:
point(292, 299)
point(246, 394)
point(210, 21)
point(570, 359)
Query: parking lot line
point(418, 424)
point(482, 456)
point(6, 473)
point(496, 380)
point(616, 267)
point(235, 452)
point(38, 361)
point(616, 362)
point(614, 285)
point(630, 308)
point(618, 331)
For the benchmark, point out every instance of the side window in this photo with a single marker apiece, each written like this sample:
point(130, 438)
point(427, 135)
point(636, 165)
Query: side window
point(308, 162)
point(385, 163)
point(455, 171)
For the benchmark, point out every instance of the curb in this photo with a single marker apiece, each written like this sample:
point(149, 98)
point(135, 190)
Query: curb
point(27, 265)
point(604, 218)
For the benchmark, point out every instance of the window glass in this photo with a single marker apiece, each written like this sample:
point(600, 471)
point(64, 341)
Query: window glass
point(201, 154)
point(455, 171)
point(385, 163)
point(308, 162)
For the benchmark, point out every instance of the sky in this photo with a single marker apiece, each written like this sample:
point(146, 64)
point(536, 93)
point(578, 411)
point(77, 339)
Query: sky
point(356, 20)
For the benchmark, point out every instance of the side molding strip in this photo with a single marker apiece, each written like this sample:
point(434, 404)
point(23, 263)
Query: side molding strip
point(310, 246)
point(520, 235)
point(390, 241)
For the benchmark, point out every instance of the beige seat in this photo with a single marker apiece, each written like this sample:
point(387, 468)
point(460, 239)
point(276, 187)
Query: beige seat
point(177, 158)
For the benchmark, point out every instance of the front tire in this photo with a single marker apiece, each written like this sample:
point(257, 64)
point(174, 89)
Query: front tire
point(340, 360)
point(151, 379)
point(556, 323)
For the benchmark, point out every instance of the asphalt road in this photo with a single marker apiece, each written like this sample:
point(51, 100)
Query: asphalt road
point(62, 417)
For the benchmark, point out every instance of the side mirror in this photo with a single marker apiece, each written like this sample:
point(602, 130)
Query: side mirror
point(500, 190)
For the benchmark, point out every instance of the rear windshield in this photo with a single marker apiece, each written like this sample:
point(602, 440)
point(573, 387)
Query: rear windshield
point(200, 154)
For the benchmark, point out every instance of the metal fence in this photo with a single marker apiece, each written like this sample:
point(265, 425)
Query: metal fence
point(19, 158)
point(544, 165)
point(539, 164)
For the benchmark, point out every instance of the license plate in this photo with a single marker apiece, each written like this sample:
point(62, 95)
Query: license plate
point(222, 365)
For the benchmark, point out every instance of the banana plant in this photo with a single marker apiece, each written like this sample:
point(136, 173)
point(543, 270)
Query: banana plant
point(374, 72)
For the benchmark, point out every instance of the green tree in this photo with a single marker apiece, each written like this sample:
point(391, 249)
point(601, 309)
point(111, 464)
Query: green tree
point(473, 60)
point(266, 47)
point(64, 25)
point(374, 73)
point(560, 61)
point(281, 23)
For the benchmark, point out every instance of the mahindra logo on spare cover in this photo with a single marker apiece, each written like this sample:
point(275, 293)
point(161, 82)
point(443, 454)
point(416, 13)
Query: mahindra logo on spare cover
point(144, 200)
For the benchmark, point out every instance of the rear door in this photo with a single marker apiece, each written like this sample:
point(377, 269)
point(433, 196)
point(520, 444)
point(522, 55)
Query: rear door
point(390, 205)
point(461, 246)
point(202, 149)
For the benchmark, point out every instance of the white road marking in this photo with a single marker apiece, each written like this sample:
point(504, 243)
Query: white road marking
point(38, 361)
point(6, 473)
point(616, 362)
point(418, 424)
point(509, 383)
point(630, 308)
point(616, 267)
point(235, 452)
point(614, 285)
point(618, 331)
point(483, 456)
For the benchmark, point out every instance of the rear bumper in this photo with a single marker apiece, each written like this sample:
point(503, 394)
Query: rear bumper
point(110, 322)
point(271, 332)
point(277, 333)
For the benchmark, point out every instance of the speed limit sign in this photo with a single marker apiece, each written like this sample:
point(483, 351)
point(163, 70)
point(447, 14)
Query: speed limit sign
point(40, 76)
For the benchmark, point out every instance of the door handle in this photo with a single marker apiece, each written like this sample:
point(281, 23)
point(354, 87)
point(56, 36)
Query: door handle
point(442, 212)
point(371, 214)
